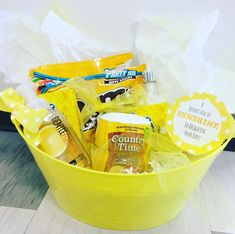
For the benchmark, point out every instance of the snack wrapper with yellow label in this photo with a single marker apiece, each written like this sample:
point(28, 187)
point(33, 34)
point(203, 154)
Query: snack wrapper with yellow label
point(114, 82)
point(82, 68)
point(65, 101)
point(51, 77)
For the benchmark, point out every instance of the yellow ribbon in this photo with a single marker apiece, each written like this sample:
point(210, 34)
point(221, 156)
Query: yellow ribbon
point(30, 119)
point(9, 100)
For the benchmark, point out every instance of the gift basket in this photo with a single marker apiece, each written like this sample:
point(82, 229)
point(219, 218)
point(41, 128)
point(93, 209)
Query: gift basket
point(119, 148)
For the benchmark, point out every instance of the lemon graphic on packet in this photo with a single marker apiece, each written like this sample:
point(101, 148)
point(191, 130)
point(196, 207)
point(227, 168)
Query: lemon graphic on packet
point(52, 142)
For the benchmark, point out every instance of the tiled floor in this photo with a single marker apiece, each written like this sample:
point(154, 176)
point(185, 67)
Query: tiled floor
point(15, 220)
point(21, 182)
point(210, 210)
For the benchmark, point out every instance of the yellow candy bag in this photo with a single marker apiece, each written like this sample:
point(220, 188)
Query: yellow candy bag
point(51, 77)
point(82, 68)
point(114, 82)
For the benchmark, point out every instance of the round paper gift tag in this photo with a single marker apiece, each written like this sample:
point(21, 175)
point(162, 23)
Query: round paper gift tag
point(198, 124)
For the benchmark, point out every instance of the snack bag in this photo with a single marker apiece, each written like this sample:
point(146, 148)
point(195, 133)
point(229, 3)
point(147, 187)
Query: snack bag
point(114, 82)
point(51, 77)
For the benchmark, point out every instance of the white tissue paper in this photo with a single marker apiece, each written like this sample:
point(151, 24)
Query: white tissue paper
point(70, 44)
point(224, 84)
point(173, 50)
point(25, 44)
point(22, 46)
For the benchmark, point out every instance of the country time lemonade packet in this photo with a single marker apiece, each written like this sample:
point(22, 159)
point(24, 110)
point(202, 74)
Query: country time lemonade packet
point(51, 77)
point(126, 140)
